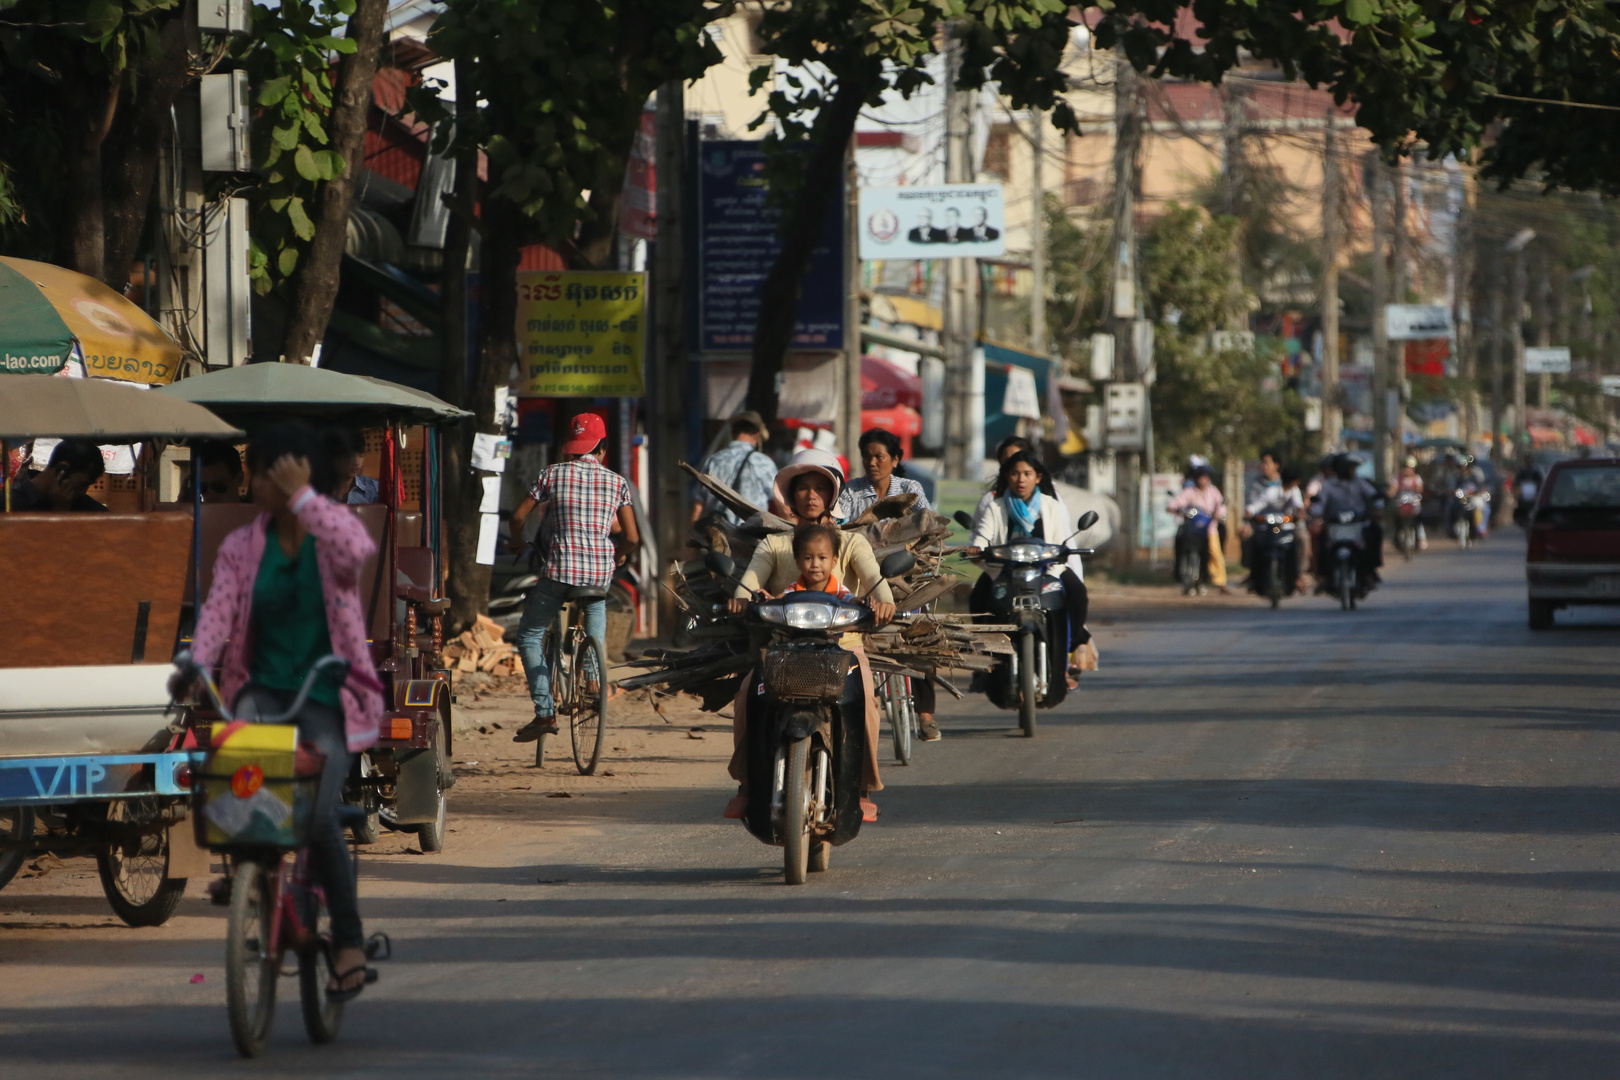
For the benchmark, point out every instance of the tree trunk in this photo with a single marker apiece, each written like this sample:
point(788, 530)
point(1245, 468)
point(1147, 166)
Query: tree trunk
point(497, 352)
point(461, 524)
point(801, 226)
point(129, 158)
point(593, 248)
point(84, 239)
point(315, 282)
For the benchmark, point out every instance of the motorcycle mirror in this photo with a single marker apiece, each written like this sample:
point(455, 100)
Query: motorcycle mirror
point(1087, 520)
point(721, 564)
point(964, 519)
point(897, 564)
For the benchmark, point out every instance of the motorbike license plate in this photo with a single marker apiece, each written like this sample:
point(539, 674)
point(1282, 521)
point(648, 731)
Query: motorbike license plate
point(1605, 586)
point(1339, 534)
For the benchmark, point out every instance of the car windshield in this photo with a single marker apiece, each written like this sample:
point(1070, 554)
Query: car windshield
point(1590, 487)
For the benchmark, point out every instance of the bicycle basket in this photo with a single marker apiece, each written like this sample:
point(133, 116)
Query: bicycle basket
point(806, 674)
point(249, 791)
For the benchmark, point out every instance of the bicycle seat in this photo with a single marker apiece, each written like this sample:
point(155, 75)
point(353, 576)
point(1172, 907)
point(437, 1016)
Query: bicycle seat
point(586, 592)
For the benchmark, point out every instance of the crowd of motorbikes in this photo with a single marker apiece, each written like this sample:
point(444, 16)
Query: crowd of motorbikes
point(1329, 540)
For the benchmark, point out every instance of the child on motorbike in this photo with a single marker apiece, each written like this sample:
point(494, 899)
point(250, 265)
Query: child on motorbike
point(815, 552)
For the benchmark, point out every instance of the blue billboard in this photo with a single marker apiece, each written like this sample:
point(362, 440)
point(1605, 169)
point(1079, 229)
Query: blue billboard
point(738, 243)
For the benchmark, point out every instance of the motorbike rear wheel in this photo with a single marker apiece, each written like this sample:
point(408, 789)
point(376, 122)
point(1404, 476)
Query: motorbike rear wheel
point(1460, 530)
point(250, 969)
point(820, 857)
point(16, 840)
point(796, 813)
point(1026, 684)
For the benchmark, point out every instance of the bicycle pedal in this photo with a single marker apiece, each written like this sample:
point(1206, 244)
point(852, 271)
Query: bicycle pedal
point(379, 947)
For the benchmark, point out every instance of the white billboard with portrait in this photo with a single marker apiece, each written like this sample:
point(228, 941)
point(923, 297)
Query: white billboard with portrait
point(950, 221)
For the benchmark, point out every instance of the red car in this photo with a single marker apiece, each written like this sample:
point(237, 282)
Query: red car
point(1574, 553)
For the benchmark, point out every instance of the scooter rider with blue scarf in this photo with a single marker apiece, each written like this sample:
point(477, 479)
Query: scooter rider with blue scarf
point(1025, 504)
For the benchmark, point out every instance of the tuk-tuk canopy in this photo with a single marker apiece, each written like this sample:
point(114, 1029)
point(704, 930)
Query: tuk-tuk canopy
point(45, 406)
point(259, 392)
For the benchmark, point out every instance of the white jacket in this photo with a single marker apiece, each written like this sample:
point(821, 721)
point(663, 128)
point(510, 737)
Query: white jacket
point(990, 527)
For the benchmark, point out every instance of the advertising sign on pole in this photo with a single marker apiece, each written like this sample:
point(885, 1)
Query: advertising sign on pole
point(1127, 416)
point(1610, 385)
point(947, 221)
point(1546, 360)
point(580, 333)
point(737, 245)
point(1415, 322)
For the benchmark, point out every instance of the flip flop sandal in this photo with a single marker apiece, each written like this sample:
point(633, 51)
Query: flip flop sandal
point(341, 996)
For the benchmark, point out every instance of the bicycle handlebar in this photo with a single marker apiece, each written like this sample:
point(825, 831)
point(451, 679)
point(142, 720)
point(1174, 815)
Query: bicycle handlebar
point(331, 662)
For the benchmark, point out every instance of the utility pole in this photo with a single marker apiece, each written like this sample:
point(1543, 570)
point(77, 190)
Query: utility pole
point(1515, 324)
point(1126, 303)
point(961, 284)
point(1397, 354)
point(1498, 339)
point(1037, 235)
point(1544, 295)
point(1466, 246)
point(667, 407)
point(1380, 300)
point(1332, 401)
point(849, 416)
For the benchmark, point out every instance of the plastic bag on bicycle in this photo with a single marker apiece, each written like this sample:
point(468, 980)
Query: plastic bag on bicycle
point(256, 787)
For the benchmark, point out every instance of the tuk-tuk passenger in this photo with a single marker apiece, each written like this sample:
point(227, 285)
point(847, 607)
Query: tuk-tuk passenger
point(220, 468)
point(60, 487)
point(347, 449)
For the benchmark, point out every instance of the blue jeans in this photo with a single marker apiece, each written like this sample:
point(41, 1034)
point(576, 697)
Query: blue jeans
point(540, 615)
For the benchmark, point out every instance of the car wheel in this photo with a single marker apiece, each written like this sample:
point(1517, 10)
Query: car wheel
point(1541, 614)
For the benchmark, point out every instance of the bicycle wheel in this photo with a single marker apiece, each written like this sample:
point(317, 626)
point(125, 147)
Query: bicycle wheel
point(250, 969)
point(321, 1015)
point(894, 707)
point(559, 679)
point(134, 865)
point(588, 723)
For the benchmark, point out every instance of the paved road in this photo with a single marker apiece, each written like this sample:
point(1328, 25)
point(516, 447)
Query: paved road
point(1291, 844)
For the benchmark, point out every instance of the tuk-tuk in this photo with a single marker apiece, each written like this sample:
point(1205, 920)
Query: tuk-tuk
point(90, 761)
point(401, 782)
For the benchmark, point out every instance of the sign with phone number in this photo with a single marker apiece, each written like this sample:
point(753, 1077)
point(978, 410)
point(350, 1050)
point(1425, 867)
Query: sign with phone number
point(580, 333)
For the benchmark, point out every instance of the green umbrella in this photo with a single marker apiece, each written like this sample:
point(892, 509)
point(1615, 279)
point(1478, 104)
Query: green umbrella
point(258, 392)
point(33, 338)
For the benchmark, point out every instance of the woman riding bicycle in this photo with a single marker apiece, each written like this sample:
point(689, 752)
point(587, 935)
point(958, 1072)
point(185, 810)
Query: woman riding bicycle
point(285, 594)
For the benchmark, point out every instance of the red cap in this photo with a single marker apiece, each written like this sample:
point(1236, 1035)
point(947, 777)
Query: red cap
point(585, 433)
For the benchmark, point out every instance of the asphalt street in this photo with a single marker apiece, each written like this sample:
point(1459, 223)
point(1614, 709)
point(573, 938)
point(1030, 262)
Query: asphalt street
point(1300, 843)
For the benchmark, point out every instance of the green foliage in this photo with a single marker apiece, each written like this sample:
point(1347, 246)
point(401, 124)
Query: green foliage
point(288, 58)
point(1424, 71)
point(1216, 402)
point(561, 87)
point(1076, 279)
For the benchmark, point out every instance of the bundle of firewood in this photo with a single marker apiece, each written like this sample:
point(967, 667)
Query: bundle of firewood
point(918, 643)
point(483, 649)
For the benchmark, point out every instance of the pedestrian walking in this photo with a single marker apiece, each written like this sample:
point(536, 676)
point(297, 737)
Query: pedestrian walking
point(582, 505)
point(741, 466)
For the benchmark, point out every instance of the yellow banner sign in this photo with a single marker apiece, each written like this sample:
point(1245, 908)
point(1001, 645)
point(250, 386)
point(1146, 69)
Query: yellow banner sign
point(580, 333)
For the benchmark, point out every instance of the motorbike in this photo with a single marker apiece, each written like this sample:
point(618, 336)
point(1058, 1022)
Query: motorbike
point(1470, 514)
point(1346, 539)
point(1408, 507)
point(806, 734)
point(1028, 593)
point(1526, 498)
point(1192, 550)
point(1274, 550)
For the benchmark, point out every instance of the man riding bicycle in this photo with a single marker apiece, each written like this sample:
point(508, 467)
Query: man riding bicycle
point(582, 502)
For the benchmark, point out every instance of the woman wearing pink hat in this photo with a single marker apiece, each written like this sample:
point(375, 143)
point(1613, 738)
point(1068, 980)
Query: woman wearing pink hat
point(806, 491)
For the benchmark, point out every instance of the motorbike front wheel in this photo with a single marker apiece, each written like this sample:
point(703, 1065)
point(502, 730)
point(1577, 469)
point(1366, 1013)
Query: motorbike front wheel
point(1026, 684)
point(796, 813)
point(1347, 590)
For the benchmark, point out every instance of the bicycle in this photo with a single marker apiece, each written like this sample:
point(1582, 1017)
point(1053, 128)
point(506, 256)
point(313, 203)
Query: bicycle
point(276, 905)
point(900, 710)
point(576, 660)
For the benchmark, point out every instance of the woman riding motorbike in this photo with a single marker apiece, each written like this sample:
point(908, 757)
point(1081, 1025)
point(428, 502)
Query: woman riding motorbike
point(285, 594)
point(806, 491)
point(1026, 504)
point(885, 476)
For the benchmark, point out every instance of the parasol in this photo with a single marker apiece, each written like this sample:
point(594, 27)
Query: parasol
point(45, 308)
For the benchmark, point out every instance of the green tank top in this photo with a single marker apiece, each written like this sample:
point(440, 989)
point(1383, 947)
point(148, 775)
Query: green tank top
point(289, 620)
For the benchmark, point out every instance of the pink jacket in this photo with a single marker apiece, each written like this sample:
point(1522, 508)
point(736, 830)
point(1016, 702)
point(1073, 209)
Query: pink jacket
point(342, 547)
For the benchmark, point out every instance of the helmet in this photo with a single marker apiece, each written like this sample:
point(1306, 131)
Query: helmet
point(1344, 466)
point(810, 460)
point(1411, 463)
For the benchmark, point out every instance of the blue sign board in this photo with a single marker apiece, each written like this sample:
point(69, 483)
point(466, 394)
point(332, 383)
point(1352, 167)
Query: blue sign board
point(94, 777)
point(737, 244)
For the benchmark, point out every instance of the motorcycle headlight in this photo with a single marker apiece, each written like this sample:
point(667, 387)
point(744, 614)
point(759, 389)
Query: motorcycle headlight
point(1021, 553)
point(817, 616)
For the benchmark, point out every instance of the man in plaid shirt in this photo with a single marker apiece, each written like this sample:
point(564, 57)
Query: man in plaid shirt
point(582, 503)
